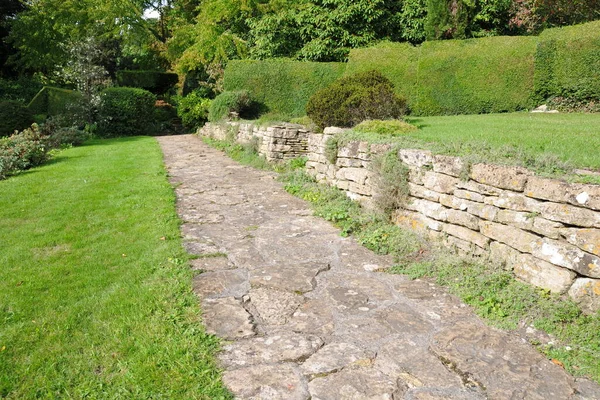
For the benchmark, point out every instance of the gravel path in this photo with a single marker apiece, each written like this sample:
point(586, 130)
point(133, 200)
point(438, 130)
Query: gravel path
point(303, 315)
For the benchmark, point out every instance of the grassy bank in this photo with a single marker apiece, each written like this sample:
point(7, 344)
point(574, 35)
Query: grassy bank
point(95, 300)
point(492, 291)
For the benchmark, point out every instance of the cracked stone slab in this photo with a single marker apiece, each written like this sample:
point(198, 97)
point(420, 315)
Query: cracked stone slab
point(262, 382)
point(428, 393)
point(334, 357)
point(279, 347)
point(227, 318)
point(298, 278)
point(232, 283)
point(355, 384)
point(414, 364)
point(519, 372)
point(274, 307)
point(315, 316)
point(198, 248)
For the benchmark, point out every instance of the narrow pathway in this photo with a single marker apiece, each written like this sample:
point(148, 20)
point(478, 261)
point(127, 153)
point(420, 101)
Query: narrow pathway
point(303, 315)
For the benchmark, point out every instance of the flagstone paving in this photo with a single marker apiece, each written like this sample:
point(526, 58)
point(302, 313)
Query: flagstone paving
point(303, 316)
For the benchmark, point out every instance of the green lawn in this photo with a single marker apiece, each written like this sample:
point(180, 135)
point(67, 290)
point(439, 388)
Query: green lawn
point(95, 295)
point(573, 138)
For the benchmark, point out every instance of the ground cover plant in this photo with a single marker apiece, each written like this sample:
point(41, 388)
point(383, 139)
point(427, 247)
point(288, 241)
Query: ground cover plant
point(96, 300)
point(489, 288)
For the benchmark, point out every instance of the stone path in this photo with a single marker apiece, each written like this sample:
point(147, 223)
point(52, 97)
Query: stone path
point(303, 315)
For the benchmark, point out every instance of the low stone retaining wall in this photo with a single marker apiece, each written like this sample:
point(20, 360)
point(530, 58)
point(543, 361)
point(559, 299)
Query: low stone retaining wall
point(547, 231)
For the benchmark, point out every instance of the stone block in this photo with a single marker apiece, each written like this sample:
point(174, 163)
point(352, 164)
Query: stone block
point(480, 188)
point(439, 182)
point(563, 192)
point(358, 175)
point(547, 228)
point(509, 235)
point(467, 235)
point(468, 195)
point(521, 220)
point(428, 208)
point(332, 130)
point(348, 162)
point(462, 218)
point(570, 215)
point(350, 150)
point(357, 188)
point(379, 148)
point(503, 254)
point(504, 177)
point(585, 239)
point(514, 201)
point(454, 202)
point(448, 165)
point(586, 292)
point(483, 211)
point(423, 193)
point(416, 158)
point(415, 221)
point(543, 274)
point(567, 256)
point(416, 175)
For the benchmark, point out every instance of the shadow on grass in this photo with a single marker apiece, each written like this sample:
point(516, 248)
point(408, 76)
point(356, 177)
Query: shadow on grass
point(419, 123)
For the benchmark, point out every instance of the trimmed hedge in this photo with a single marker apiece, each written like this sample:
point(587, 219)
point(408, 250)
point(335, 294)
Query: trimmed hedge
point(126, 112)
point(53, 101)
point(568, 62)
point(224, 104)
point(283, 86)
point(14, 116)
point(472, 76)
point(152, 81)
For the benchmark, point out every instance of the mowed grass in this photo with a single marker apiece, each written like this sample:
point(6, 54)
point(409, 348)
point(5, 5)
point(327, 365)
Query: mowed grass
point(95, 295)
point(572, 138)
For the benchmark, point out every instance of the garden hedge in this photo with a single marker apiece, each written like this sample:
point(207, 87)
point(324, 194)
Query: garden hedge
point(485, 75)
point(283, 86)
point(126, 111)
point(568, 62)
point(153, 81)
point(53, 101)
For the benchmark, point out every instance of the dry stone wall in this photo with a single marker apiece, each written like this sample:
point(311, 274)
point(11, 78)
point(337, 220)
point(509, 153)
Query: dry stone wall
point(547, 231)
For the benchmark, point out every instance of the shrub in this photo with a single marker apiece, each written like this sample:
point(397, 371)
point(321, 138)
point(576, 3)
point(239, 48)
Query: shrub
point(193, 109)
point(351, 100)
point(64, 137)
point(228, 102)
point(22, 151)
point(126, 112)
point(390, 127)
point(14, 116)
point(283, 86)
point(152, 81)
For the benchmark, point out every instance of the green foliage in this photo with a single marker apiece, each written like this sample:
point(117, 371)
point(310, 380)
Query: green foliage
point(67, 137)
point(14, 116)
point(390, 127)
point(230, 102)
point(22, 89)
point(392, 191)
point(245, 153)
point(53, 101)
point(385, 238)
point(568, 63)
point(283, 86)
point(23, 150)
point(353, 99)
point(153, 81)
point(456, 77)
point(193, 109)
point(126, 112)
point(332, 146)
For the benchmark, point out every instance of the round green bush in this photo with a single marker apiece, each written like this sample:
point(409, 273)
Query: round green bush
point(230, 102)
point(126, 111)
point(193, 109)
point(353, 99)
point(14, 116)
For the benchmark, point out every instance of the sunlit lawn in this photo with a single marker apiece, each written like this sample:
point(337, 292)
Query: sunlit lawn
point(95, 295)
